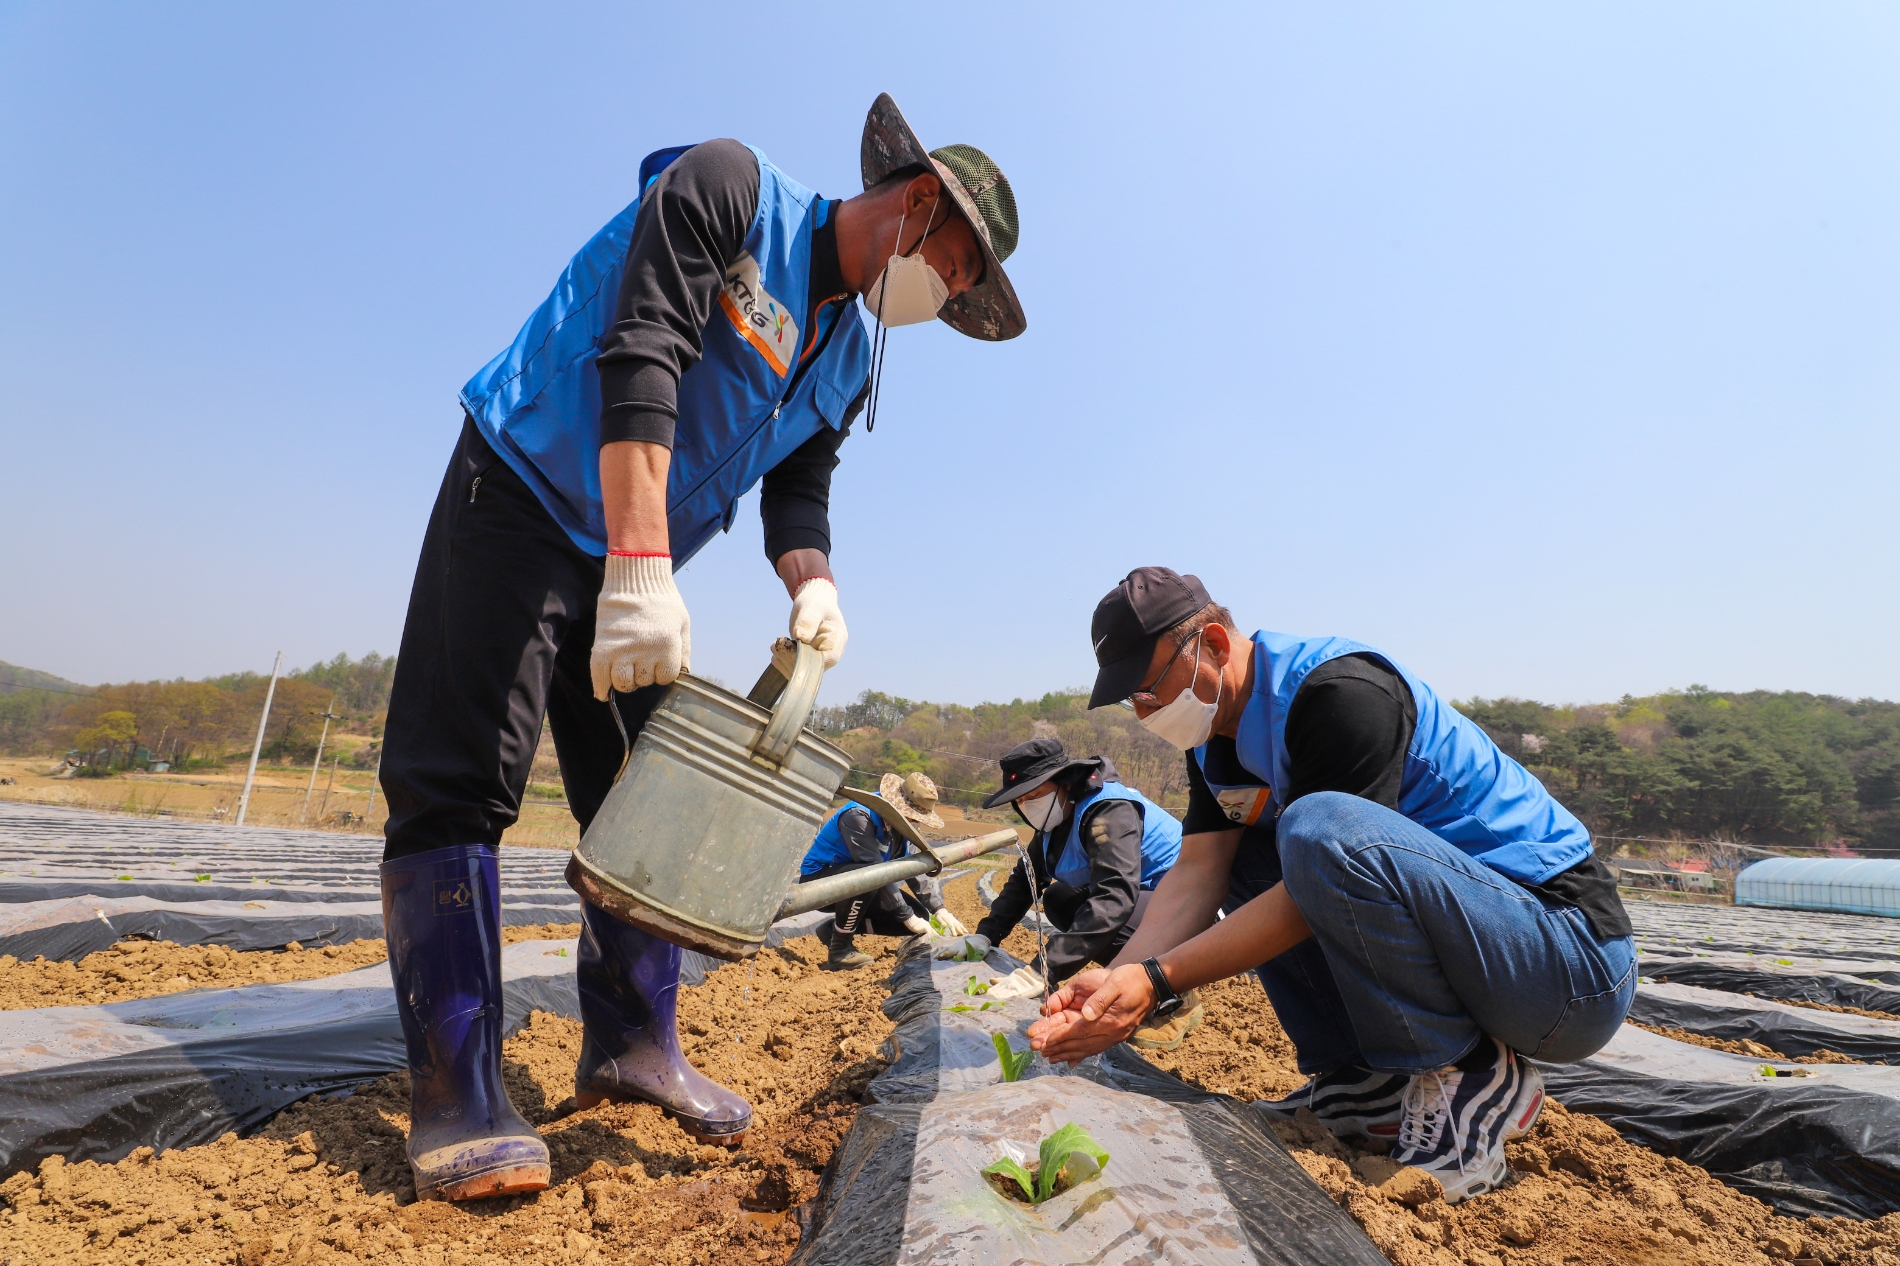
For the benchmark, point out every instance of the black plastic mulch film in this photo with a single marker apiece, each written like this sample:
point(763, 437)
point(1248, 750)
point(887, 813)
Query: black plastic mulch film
point(1809, 1139)
point(1192, 1176)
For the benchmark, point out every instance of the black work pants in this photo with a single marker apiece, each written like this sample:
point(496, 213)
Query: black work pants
point(499, 632)
point(866, 913)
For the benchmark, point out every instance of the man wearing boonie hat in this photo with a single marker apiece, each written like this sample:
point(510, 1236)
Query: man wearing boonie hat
point(1423, 914)
point(1099, 850)
point(704, 342)
point(853, 837)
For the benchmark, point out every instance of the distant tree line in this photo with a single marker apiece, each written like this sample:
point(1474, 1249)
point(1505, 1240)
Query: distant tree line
point(204, 722)
point(1756, 767)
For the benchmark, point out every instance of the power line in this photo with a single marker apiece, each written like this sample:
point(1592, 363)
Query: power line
point(21, 685)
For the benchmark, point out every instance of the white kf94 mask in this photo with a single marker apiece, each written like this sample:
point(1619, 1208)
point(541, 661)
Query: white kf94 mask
point(908, 291)
point(1042, 812)
point(1184, 720)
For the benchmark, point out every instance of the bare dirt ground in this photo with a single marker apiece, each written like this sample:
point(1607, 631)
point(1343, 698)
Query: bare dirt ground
point(277, 799)
point(143, 969)
point(326, 1182)
point(1743, 1047)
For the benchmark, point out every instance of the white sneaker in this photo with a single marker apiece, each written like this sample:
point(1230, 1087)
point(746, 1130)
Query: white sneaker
point(1453, 1123)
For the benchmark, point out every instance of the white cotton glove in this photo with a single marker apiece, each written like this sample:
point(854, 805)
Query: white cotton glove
point(816, 619)
point(1021, 983)
point(965, 949)
point(916, 926)
point(949, 924)
point(642, 634)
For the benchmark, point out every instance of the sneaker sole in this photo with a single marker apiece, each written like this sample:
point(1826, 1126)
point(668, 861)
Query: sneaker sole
point(1457, 1190)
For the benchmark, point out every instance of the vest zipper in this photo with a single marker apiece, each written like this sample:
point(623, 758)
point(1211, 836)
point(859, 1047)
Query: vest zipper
point(791, 386)
point(474, 488)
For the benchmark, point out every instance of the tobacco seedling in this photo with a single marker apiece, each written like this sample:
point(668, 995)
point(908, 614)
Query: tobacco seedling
point(964, 1006)
point(972, 988)
point(1014, 1062)
point(125, 877)
point(1066, 1159)
point(201, 879)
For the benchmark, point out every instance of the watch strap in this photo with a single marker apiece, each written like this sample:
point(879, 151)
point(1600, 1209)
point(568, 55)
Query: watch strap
point(1167, 1001)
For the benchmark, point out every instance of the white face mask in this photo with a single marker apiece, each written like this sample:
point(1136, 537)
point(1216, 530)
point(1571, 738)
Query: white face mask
point(1184, 720)
point(908, 291)
point(1043, 812)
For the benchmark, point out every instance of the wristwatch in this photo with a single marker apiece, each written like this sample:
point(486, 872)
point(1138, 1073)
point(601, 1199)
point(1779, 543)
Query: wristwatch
point(1167, 1002)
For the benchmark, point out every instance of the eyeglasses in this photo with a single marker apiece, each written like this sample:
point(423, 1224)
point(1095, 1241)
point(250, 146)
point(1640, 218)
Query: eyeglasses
point(1145, 696)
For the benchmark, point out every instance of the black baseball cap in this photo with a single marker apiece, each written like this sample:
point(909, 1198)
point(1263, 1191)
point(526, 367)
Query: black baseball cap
point(1130, 620)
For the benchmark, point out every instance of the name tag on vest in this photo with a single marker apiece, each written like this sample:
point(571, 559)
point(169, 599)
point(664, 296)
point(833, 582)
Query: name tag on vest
point(760, 319)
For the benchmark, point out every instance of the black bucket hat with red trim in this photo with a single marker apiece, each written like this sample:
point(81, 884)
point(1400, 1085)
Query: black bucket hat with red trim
point(1028, 766)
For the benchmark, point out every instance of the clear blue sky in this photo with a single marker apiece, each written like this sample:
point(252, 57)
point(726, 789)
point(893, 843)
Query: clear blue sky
point(1553, 348)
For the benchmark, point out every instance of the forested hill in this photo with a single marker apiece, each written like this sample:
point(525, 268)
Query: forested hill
point(1757, 767)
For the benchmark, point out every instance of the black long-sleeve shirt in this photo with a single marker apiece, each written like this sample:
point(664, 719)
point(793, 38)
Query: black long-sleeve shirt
point(859, 830)
point(1089, 918)
point(692, 222)
point(1348, 729)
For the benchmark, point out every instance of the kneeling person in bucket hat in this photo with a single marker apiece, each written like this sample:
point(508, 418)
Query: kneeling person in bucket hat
point(854, 837)
point(1099, 850)
point(1422, 913)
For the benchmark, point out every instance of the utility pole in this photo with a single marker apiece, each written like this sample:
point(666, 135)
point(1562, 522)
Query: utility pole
point(374, 778)
point(244, 801)
point(329, 715)
point(330, 786)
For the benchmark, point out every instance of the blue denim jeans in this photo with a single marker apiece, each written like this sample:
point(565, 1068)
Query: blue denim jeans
point(1418, 951)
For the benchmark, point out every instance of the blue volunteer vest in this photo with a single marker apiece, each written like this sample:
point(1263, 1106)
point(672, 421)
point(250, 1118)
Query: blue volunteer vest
point(1457, 784)
point(1160, 838)
point(828, 849)
point(763, 384)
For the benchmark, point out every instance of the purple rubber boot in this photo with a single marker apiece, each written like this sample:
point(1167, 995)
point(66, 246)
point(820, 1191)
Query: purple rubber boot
point(442, 914)
point(630, 1049)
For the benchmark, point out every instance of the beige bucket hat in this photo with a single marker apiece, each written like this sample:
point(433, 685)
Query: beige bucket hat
point(915, 797)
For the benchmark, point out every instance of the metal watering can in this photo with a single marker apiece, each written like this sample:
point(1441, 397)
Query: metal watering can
point(702, 834)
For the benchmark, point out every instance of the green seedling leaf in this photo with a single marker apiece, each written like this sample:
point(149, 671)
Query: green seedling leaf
point(201, 879)
point(936, 925)
point(1069, 1156)
point(560, 953)
point(125, 877)
point(1013, 1061)
point(991, 1006)
point(1012, 1169)
point(963, 1006)
point(971, 987)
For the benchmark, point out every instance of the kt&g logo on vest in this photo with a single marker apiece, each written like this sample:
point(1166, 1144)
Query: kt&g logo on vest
point(453, 896)
point(760, 319)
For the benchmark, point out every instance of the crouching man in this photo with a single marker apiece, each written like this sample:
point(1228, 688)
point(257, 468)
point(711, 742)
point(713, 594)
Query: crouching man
point(1429, 918)
point(1099, 850)
point(854, 837)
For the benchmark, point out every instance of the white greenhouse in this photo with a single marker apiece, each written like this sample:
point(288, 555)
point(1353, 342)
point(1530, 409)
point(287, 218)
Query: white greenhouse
point(1846, 885)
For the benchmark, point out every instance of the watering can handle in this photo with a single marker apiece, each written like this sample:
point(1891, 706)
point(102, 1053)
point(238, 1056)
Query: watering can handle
point(794, 707)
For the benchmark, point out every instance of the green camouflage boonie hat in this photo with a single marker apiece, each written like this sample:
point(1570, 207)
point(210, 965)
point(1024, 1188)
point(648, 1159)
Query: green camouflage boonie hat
point(990, 309)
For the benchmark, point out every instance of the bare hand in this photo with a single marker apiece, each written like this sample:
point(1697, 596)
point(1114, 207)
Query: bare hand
point(1098, 1014)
